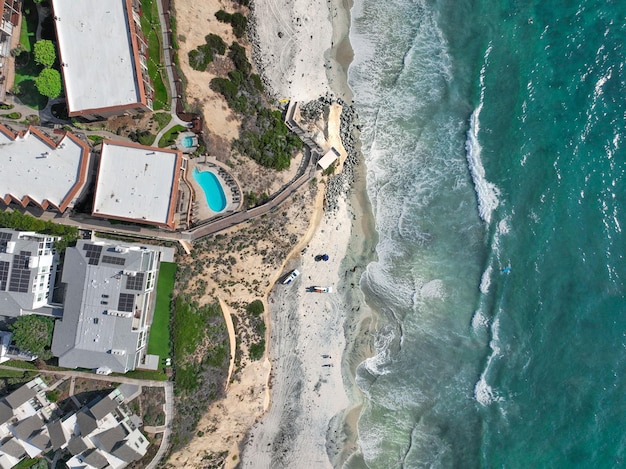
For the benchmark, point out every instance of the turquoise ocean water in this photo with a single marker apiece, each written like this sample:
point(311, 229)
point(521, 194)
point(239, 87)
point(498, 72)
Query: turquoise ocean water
point(493, 133)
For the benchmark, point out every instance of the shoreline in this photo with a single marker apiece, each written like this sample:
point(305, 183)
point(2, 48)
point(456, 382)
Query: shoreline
point(276, 439)
point(301, 49)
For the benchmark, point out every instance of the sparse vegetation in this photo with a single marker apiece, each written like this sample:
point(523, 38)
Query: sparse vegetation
point(199, 339)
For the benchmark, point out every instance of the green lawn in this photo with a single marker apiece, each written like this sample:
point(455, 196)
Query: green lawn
point(159, 340)
point(151, 28)
point(169, 137)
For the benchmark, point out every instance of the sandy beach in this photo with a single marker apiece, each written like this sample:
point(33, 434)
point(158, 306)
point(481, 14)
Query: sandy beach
point(297, 406)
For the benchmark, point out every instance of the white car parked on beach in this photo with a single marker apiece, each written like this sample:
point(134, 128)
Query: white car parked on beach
point(291, 277)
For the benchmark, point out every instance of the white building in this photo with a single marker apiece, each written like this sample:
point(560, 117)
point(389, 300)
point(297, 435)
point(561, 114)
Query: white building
point(103, 57)
point(36, 170)
point(138, 184)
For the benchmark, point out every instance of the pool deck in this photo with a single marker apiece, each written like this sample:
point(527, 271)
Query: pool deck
point(200, 208)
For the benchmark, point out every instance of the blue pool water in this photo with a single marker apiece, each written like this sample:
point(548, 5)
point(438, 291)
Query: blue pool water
point(212, 188)
point(187, 142)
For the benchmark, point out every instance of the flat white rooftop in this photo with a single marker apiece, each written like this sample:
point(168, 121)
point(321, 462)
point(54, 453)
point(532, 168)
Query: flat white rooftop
point(33, 166)
point(137, 183)
point(97, 54)
point(329, 158)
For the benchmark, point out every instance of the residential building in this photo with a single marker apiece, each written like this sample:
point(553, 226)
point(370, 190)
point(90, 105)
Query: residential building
point(138, 184)
point(28, 267)
point(22, 416)
point(103, 57)
point(101, 434)
point(108, 305)
point(36, 170)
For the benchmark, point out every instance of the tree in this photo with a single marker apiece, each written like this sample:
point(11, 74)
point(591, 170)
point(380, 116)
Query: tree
point(32, 333)
point(45, 53)
point(49, 83)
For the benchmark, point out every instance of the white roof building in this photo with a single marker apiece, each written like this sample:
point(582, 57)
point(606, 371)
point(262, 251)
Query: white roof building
point(137, 183)
point(34, 169)
point(103, 57)
point(329, 158)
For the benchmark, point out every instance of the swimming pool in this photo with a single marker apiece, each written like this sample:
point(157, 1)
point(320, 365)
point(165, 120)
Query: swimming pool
point(212, 188)
point(187, 142)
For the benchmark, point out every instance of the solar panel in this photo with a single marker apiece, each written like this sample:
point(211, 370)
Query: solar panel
point(92, 250)
point(126, 302)
point(115, 260)
point(4, 239)
point(93, 261)
point(20, 274)
point(136, 282)
point(4, 274)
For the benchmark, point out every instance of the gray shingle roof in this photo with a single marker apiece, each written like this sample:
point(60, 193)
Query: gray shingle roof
point(86, 422)
point(103, 407)
point(126, 453)
point(26, 428)
point(41, 441)
point(5, 412)
point(95, 459)
point(108, 439)
point(57, 436)
point(20, 396)
point(13, 448)
point(76, 445)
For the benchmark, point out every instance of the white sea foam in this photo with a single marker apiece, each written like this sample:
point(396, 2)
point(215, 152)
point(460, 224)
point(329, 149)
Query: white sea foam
point(480, 322)
point(485, 280)
point(486, 192)
point(483, 392)
point(503, 226)
point(433, 289)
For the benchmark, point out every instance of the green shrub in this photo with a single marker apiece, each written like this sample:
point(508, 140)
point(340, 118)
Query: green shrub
point(48, 83)
point(238, 21)
point(257, 350)
point(215, 43)
point(255, 308)
point(33, 334)
point(96, 139)
point(45, 53)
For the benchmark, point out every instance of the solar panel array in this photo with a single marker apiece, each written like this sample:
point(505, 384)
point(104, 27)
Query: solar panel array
point(20, 273)
point(136, 282)
point(115, 260)
point(92, 252)
point(126, 302)
point(4, 274)
point(4, 239)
